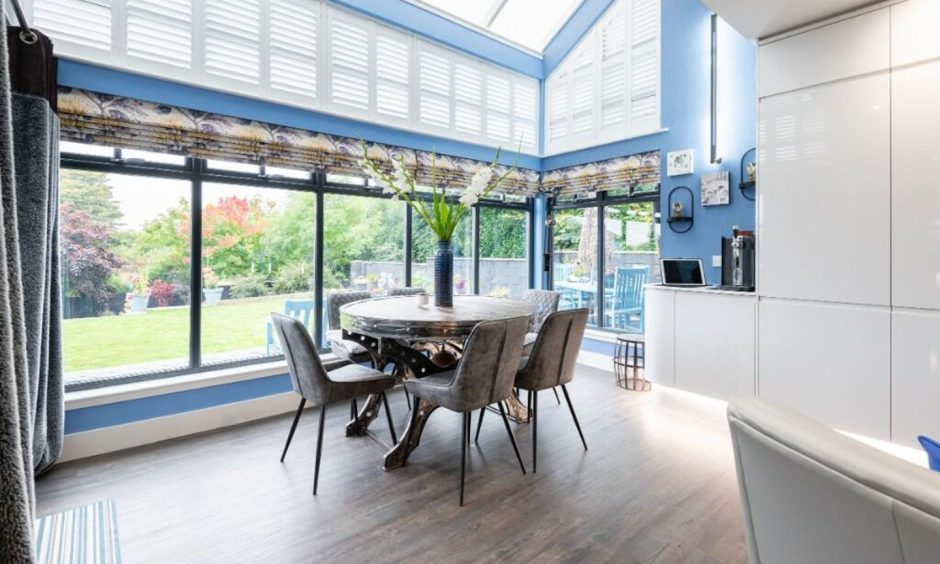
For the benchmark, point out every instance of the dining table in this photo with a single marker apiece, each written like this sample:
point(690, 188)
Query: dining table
point(420, 339)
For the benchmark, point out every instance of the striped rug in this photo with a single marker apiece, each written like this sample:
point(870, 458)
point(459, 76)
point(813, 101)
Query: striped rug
point(83, 535)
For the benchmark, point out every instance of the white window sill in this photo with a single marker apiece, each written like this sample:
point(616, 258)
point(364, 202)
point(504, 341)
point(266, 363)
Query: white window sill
point(599, 335)
point(161, 386)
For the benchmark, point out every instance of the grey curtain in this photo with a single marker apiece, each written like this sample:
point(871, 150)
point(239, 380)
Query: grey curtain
point(31, 379)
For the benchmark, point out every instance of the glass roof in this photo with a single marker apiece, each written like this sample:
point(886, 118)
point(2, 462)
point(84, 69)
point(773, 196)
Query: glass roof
point(529, 23)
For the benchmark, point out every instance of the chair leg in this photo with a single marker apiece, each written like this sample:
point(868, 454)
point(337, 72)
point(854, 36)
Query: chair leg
point(534, 418)
point(476, 439)
point(512, 437)
point(353, 409)
point(573, 416)
point(468, 428)
point(388, 415)
point(558, 399)
point(407, 399)
point(316, 468)
point(293, 427)
point(463, 452)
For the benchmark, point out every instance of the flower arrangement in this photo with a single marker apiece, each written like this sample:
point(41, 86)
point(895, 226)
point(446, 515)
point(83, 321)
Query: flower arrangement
point(441, 215)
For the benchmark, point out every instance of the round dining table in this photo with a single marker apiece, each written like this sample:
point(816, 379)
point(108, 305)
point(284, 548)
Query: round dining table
point(421, 339)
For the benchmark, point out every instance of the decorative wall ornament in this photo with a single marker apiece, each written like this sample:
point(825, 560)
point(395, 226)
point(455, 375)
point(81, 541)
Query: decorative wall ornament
point(716, 188)
point(116, 121)
point(680, 162)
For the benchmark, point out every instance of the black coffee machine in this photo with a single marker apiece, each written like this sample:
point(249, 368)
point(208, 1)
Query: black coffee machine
point(737, 261)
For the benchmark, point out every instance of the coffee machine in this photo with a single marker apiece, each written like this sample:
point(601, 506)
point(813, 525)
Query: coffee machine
point(737, 261)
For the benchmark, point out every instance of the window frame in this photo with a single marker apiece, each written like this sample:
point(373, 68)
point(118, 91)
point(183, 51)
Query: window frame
point(196, 171)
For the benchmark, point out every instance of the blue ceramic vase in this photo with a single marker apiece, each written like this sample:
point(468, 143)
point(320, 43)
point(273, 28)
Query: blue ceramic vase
point(444, 275)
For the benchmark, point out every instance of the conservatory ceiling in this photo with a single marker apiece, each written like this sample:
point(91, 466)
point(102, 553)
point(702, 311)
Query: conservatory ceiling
point(528, 23)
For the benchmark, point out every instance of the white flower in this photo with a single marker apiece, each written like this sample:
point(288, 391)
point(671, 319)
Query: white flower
point(480, 180)
point(469, 198)
point(401, 176)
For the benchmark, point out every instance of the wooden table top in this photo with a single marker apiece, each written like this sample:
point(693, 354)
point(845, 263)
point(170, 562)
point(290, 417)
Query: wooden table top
point(404, 316)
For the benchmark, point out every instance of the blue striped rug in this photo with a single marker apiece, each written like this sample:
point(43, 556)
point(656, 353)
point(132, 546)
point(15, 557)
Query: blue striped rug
point(83, 535)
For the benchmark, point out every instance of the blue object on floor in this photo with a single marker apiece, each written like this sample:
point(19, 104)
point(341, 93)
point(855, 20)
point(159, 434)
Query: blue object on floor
point(933, 451)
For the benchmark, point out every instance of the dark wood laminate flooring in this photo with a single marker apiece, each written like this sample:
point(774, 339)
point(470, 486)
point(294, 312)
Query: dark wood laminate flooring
point(656, 486)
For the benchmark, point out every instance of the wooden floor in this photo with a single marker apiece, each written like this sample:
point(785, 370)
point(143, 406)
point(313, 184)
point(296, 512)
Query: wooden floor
point(657, 485)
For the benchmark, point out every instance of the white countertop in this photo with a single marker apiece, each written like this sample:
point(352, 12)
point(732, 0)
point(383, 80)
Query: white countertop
point(701, 290)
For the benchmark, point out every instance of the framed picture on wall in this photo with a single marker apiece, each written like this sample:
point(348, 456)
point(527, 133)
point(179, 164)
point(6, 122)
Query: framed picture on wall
point(716, 188)
point(680, 162)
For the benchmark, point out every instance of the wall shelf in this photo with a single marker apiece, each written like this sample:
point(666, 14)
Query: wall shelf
point(685, 220)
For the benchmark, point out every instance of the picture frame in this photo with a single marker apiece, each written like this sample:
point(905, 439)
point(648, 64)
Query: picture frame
point(716, 188)
point(680, 162)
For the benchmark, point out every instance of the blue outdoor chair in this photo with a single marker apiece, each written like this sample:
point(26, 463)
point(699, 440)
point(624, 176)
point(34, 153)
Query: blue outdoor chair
point(301, 310)
point(624, 309)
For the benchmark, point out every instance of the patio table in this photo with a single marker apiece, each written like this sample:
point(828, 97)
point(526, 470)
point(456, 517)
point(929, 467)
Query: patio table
point(396, 329)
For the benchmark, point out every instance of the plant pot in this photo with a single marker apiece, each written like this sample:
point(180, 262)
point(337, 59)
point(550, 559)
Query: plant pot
point(213, 295)
point(139, 302)
point(444, 275)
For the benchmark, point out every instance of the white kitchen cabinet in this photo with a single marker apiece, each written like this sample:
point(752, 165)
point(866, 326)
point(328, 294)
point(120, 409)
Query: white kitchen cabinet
point(914, 31)
point(715, 334)
point(824, 175)
point(660, 335)
point(915, 375)
point(851, 47)
point(830, 362)
point(915, 193)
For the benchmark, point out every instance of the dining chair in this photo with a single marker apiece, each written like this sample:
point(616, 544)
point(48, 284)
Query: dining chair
point(406, 291)
point(483, 377)
point(346, 350)
point(321, 387)
point(552, 364)
point(626, 303)
point(298, 309)
point(546, 302)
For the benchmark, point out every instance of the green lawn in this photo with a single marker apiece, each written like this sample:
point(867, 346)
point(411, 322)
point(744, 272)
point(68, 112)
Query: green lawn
point(163, 333)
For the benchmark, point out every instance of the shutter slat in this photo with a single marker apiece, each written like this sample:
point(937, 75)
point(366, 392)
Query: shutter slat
point(160, 31)
point(82, 22)
point(233, 44)
point(349, 49)
point(293, 50)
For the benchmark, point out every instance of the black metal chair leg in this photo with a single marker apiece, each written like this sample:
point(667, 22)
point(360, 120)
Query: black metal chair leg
point(512, 437)
point(293, 427)
point(558, 399)
point(463, 452)
point(353, 409)
point(573, 416)
point(388, 416)
point(534, 418)
point(316, 468)
point(407, 399)
point(479, 425)
point(468, 428)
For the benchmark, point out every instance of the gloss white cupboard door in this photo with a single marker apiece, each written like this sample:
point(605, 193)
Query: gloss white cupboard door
point(715, 340)
point(915, 375)
point(852, 47)
point(830, 362)
point(915, 194)
point(824, 174)
point(660, 334)
point(914, 31)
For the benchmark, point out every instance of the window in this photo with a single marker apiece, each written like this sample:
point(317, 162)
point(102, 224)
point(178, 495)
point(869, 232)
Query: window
point(607, 88)
point(125, 244)
point(574, 268)
point(306, 53)
point(127, 238)
point(504, 264)
point(632, 253)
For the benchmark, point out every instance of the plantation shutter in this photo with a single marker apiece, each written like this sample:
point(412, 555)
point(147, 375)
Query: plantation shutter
point(392, 74)
point(582, 91)
point(349, 50)
point(497, 106)
point(293, 46)
point(613, 72)
point(525, 112)
point(434, 79)
point(559, 109)
point(468, 96)
point(233, 43)
point(644, 65)
point(84, 23)
point(160, 31)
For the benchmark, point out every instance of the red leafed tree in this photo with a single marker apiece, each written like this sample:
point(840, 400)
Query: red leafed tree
point(86, 244)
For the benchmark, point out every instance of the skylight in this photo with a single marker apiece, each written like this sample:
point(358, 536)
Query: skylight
point(529, 23)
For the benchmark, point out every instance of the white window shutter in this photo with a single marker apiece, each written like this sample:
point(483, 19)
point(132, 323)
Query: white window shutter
point(83, 23)
point(295, 29)
point(160, 31)
point(557, 91)
point(434, 83)
point(497, 106)
point(614, 82)
point(233, 40)
point(644, 66)
point(392, 74)
point(583, 91)
point(468, 96)
point(349, 50)
point(525, 103)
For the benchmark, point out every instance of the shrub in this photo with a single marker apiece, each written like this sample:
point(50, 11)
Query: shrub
point(162, 292)
point(293, 278)
point(250, 286)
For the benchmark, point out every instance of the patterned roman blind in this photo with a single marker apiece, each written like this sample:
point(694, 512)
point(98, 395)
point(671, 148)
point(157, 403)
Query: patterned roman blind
point(612, 174)
point(104, 119)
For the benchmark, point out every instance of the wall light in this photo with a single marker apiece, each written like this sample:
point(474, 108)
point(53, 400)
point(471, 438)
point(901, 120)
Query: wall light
point(715, 159)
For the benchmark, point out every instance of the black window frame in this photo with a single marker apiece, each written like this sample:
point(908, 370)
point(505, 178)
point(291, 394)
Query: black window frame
point(196, 171)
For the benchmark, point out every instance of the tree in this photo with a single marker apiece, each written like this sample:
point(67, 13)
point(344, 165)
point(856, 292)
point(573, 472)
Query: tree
point(502, 233)
point(91, 193)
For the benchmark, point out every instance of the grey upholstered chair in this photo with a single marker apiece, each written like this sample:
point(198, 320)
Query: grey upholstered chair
point(346, 350)
point(322, 387)
point(551, 364)
point(546, 303)
point(406, 291)
point(483, 377)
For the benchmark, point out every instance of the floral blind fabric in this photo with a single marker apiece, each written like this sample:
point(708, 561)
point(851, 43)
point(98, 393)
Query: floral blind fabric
point(612, 174)
point(104, 119)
